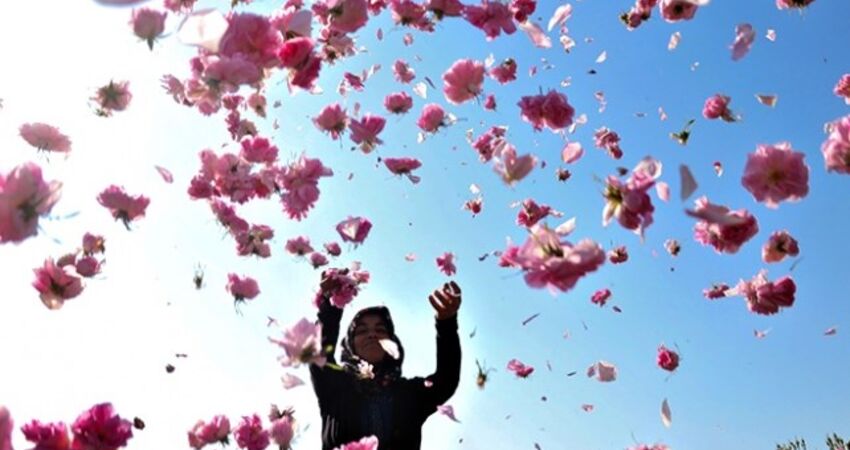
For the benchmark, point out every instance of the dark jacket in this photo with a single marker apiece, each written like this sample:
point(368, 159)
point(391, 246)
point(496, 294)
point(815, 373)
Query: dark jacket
point(391, 407)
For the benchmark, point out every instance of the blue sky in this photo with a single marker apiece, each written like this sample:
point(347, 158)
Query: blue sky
point(731, 390)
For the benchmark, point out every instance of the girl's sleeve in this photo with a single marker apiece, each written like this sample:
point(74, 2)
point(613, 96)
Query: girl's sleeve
point(442, 384)
point(326, 378)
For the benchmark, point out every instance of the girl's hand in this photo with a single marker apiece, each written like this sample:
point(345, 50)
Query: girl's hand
point(446, 301)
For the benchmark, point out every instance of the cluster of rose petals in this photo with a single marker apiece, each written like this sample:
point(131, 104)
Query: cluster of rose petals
point(299, 246)
point(250, 434)
point(842, 88)
point(332, 119)
point(282, 430)
point(301, 344)
point(618, 255)
point(55, 285)
point(512, 167)
point(463, 81)
point(676, 10)
point(432, 118)
point(100, 428)
point(215, 431)
point(550, 110)
point(836, 148)
point(344, 16)
point(639, 13)
point(300, 180)
point(402, 71)
point(531, 213)
point(600, 297)
point(115, 96)
point(786, 4)
point(148, 24)
point(717, 106)
point(367, 443)
point(490, 143)
point(365, 131)
point(446, 263)
point(492, 17)
point(549, 261)
point(667, 359)
point(780, 245)
point(45, 137)
point(123, 206)
point(767, 297)
point(411, 14)
point(24, 197)
point(629, 202)
point(404, 166)
point(347, 286)
point(444, 8)
point(505, 72)
point(242, 288)
point(721, 228)
point(716, 291)
point(609, 141)
point(6, 427)
point(776, 173)
point(521, 370)
point(47, 436)
point(398, 102)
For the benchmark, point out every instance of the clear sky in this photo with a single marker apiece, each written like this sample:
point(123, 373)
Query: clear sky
point(732, 391)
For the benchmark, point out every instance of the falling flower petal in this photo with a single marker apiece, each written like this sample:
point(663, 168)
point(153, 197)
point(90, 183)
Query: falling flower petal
point(767, 99)
point(674, 41)
point(744, 37)
point(666, 415)
point(689, 184)
point(165, 174)
point(447, 411)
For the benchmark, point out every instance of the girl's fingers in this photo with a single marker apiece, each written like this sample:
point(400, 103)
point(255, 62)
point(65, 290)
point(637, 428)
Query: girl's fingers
point(435, 303)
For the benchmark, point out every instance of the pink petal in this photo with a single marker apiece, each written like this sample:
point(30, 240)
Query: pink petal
point(572, 152)
point(674, 41)
point(689, 184)
point(166, 175)
point(560, 16)
point(666, 415)
point(663, 191)
point(536, 34)
point(767, 99)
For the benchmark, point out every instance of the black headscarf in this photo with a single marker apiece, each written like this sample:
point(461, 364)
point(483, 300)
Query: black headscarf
point(387, 370)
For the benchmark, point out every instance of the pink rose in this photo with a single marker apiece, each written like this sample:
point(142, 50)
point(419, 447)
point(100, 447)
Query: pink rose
point(431, 118)
point(603, 371)
point(504, 72)
point(551, 110)
point(667, 359)
point(333, 249)
point(721, 228)
point(767, 297)
point(492, 17)
point(148, 24)
point(717, 106)
point(842, 88)
point(776, 173)
point(47, 436)
point(365, 131)
point(45, 137)
point(332, 120)
point(123, 206)
point(780, 245)
point(115, 96)
point(836, 148)
point(676, 10)
point(600, 297)
point(345, 16)
point(398, 102)
point(6, 427)
point(402, 71)
point(446, 263)
point(87, 266)
point(24, 197)
point(252, 37)
point(618, 255)
point(444, 8)
point(367, 443)
point(302, 344)
point(100, 428)
point(250, 434)
point(299, 246)
point(295, 52)
point(403, 166)
point(55, 285)
point(242, 288)
point(463, 81)
point(786, 4)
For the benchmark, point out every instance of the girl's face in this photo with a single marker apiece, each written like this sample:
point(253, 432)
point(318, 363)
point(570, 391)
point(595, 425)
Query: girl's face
point(367, 335)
